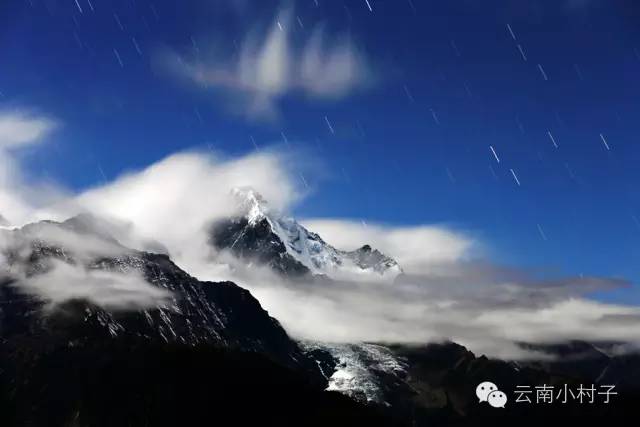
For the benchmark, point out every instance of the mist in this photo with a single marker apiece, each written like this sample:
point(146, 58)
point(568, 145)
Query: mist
point(450, 290)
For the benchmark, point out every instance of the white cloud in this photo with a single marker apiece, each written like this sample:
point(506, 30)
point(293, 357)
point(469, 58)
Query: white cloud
point(59, 280)
point(451, 291)
point(415, 248)
point(82, 247)
point(490, 318)
point(574, 318)
point(331, 72)
point(111, 290)
point(271, 66)
point(18, 129)
point(176, 199)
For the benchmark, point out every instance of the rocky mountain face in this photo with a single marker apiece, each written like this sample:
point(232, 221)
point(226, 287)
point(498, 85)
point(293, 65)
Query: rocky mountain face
point(256, 242)
point(435, 383)
point(205, 352)
point(263, 235)
point(192, 313)
point(200, 352)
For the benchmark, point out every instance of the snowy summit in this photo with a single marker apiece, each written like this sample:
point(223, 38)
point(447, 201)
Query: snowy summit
point(272, 238)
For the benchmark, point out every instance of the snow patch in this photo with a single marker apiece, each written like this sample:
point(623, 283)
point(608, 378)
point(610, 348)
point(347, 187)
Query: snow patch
point(361, 369)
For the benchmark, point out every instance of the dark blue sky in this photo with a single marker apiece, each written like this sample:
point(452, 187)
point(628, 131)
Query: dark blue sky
point(412, 147)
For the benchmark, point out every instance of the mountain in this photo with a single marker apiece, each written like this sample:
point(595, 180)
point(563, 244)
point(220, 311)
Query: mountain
point(604, 362)
point(124, 382)
point(183, 309)
point(263, 235)
point(93, 333)
point(434, 384)
point(368, 373)
point(205, 352)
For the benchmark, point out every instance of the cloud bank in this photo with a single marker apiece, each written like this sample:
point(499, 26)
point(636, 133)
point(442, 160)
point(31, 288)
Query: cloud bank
point(21, 202)
point(174, 201)
point(270, 66)
point(488, 309)
point(416, 249)
point(450, 289)
point(72, 275)
point(108, 289)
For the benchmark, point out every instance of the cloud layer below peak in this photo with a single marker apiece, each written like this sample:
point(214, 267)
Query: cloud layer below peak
point(450, 291)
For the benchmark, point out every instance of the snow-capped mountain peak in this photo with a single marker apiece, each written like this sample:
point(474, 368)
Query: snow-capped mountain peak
point(251, 203)
point(280, 241)
point(109, 290)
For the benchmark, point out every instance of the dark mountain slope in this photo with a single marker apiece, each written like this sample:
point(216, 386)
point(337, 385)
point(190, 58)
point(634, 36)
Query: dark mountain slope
point(443, 378)
point(125, 382)
point(435, 384)
point(256, 243)
point(222, 314)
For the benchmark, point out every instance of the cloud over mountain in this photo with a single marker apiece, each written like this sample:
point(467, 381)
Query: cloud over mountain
point(415, 248)
point(451, 289)
point(111, 290)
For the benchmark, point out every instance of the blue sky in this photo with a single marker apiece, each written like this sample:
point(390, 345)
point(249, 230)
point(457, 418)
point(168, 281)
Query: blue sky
point(409, 142)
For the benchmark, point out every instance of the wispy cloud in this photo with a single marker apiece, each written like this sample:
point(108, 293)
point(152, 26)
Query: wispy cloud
point(19, 130)
point(74, 276)
point(490, 315)
point(271, 66)
point(112, 290)
point(196, 190)
point(415, 248)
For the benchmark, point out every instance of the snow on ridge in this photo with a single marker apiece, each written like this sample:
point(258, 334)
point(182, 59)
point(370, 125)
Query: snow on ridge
point(255, 205)
point(309, 248)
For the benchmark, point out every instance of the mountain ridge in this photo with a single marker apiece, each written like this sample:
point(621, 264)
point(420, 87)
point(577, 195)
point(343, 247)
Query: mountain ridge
point(401, 384)
point(260, 233)
point(194, 312)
